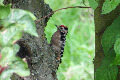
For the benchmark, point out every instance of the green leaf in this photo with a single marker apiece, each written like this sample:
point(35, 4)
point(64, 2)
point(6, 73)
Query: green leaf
point(22, 18)
point(17, 21)
point(117, 47)
point(6, 74)
point(20, 67)
point(111, 34)
point(4, 11)
point(109, 5)
point(16, 48)
point(29, 25)
point(7, 56)
point(93, 4)
point(31, 15)
point(1, 2)
point(11, 34)
point(116, 61)
point(17, 14)
point(105, 71)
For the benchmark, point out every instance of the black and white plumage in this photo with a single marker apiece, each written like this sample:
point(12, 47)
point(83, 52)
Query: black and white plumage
point(58, 41)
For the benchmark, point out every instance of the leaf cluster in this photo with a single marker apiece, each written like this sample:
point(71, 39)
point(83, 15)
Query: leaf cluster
point(107, 7)
point(110, 43)
point(13, 22)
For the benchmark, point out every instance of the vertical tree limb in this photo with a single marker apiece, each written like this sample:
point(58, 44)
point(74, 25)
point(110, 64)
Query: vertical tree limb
point(102, 21)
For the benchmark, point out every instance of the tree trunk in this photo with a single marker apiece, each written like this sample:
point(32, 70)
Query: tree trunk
point(41, 59)
point(102, 21)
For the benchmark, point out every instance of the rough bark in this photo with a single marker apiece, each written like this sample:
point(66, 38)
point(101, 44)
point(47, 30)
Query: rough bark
point(102, 21)
point(41, 59)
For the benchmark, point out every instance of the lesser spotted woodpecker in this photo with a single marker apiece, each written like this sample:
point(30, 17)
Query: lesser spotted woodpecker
point(58, 41)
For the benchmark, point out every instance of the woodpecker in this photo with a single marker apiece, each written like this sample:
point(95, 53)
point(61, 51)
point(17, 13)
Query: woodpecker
point(58, 41)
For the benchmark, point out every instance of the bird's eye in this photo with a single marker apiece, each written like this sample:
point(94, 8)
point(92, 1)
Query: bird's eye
point(61, 27)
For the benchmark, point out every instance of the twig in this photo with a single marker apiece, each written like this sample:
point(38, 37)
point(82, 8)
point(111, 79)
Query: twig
point(59, 10)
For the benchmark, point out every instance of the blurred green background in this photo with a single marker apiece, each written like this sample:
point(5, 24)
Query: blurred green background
point(77, 61)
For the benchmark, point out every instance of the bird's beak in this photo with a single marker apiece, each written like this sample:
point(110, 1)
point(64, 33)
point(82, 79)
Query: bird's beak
point(57, 27)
